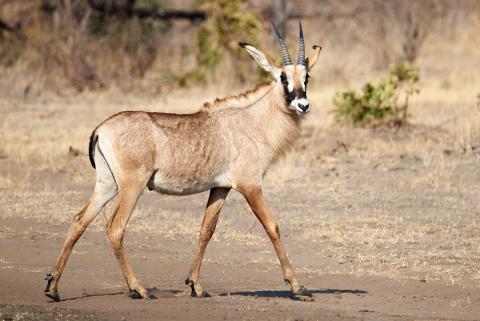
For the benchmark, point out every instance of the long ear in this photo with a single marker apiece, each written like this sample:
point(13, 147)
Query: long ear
point(312, 59)
point(264, 61)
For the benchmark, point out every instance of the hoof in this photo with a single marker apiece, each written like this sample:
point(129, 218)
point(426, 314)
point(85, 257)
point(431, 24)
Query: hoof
point(194, 293)
point(135, 295)
point(302, 295)
point(53, 295)
point(202, 295)
point(49, 279)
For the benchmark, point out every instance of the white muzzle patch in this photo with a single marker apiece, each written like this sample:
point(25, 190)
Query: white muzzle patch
point(301, 105)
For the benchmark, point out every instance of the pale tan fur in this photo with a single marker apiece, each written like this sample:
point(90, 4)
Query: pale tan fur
point(227, 145)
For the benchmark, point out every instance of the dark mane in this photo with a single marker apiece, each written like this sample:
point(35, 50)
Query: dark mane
point(241, 100)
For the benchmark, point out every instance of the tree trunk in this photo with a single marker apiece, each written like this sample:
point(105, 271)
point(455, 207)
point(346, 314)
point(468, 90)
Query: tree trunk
point(281, 11)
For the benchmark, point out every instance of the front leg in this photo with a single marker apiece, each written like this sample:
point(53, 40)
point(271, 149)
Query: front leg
point(210, 218)
point(254, 197)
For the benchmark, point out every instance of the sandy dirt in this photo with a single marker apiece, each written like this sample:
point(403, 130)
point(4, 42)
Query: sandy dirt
point(92, 286)
point(379, 225)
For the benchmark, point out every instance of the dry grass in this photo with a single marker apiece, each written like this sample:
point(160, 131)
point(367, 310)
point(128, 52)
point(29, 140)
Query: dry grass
point(391, 205)
point(349, 201)
point(383, 244)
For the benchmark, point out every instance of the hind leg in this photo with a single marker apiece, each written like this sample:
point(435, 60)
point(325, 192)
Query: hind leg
point(105, 190)
point(254, 197)
point(129, 191)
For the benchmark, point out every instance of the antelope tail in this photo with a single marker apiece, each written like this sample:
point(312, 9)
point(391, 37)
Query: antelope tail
point(91, 148)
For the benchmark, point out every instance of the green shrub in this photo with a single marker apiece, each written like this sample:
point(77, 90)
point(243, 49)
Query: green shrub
point(384, 104)
point(227, 23)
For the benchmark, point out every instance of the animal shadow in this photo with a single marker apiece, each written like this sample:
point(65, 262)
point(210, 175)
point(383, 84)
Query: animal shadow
point(156, 292)
point(286, 294)
point(86, 295)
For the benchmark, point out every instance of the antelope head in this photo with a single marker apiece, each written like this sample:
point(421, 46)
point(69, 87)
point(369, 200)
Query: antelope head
point(293, 78)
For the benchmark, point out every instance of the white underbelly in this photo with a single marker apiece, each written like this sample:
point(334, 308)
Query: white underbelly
point(173, 186)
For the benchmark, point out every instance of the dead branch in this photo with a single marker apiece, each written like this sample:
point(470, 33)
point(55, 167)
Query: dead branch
point(127, 9)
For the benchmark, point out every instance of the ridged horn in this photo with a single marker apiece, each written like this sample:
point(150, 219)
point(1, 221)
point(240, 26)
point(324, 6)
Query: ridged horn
point(301, 46)
point(286, 56)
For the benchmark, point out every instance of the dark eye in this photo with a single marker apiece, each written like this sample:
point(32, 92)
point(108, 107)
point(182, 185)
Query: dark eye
point(283, 79)
point(306, 78)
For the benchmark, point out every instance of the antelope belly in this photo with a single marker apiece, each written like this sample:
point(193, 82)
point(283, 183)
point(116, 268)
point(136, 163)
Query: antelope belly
point(173, 186)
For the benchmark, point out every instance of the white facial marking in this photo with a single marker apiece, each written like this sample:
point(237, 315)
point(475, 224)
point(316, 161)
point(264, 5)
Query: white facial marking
point(290, 83)
point(304, 75)
point(299, 103)
point(288, 72)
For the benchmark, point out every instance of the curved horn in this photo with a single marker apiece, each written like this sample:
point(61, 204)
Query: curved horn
point(301, 46)
point(286, 56)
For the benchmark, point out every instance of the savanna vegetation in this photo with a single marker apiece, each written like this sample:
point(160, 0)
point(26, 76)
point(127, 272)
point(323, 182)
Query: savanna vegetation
point(377, 203)
point(153, 44)
point(385, 103)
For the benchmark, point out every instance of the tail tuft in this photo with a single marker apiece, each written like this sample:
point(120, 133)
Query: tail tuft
point(91, 148)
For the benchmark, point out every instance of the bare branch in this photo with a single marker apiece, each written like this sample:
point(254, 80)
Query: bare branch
point(327, 16)
point(113, 9)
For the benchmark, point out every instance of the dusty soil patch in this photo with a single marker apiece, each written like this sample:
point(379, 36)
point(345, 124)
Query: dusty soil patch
point(92, 287)
point(380, 226)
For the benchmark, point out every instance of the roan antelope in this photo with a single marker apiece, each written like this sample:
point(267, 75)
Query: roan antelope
point(227, 144)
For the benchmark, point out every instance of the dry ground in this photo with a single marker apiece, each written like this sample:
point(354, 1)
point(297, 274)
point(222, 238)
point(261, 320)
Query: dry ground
point(381, 225)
